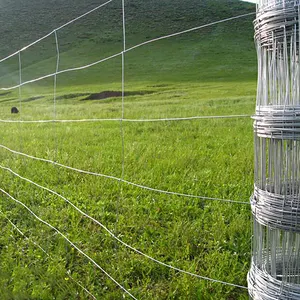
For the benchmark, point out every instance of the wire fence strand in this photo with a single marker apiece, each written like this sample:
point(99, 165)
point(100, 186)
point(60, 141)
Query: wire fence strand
point(61, 72)
point(111, 233)
point(45, 252)
point(119, 53)
point(189, 30)
point(128, 120)
point(54, 30)
point(69, 241)
point(123, 180)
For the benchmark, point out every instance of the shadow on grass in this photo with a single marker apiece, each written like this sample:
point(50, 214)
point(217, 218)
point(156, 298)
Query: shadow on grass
point(4, 94)
point(113, 94)
point(71, 96)
point(33, 98)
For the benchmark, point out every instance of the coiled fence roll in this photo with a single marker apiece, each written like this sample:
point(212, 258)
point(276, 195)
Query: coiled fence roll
point(275, 203)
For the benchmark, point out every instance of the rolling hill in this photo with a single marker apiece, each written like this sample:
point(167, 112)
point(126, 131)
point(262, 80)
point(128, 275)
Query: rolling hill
point(220, 52)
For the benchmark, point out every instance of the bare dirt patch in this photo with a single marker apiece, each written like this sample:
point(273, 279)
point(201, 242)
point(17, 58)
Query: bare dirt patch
point(33, 98)
point(4, 94)
point(113, 94)
point(71, 96)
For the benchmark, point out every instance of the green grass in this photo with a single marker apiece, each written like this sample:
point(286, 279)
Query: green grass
point(210, 72)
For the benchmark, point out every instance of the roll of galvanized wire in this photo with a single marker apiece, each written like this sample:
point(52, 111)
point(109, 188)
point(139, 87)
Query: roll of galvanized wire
point(275, 268)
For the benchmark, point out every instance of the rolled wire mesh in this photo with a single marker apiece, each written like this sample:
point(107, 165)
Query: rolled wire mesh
point(275, 267)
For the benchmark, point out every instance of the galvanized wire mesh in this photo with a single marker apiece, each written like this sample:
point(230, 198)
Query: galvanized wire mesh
point(275, 268)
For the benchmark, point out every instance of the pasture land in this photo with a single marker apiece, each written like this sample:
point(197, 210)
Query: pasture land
point(210, 72)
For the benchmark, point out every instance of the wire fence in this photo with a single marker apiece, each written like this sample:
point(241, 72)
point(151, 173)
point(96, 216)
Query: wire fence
point(121, 120)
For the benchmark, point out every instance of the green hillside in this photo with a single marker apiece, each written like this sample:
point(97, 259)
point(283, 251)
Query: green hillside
point(222, 52)
point(23, 22)
point(207, 72)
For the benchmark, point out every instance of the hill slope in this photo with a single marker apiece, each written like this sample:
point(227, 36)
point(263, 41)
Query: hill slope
point(221, 52)
point(25, 21)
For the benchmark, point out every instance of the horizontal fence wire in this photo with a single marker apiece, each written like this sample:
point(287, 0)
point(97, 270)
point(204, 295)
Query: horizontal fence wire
point(114, 55)
point(123, 180)
point(190, 30)
point(127, 120)
point(113, 235)
point(15, 227)
point(60, 72)
point(69, 241)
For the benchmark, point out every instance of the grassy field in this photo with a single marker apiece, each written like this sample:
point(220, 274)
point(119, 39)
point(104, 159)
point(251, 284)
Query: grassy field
point(209, 72)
